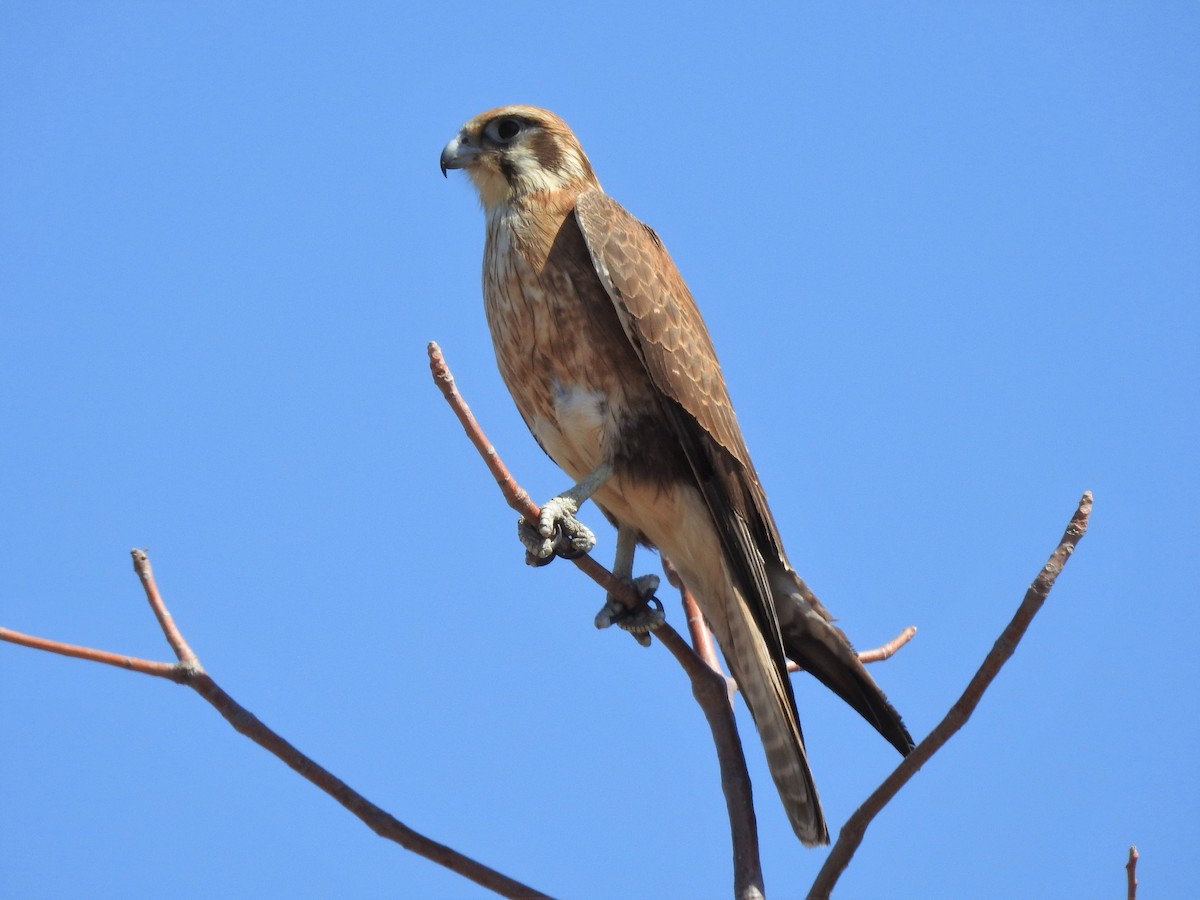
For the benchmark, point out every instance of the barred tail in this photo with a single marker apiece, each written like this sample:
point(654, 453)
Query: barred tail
point(768, 693)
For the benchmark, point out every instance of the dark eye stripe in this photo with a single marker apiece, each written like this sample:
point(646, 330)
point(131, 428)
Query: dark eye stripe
point(548, 151)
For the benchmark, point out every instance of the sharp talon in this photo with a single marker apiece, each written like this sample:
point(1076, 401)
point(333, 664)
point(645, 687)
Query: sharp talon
point(572, 539)
point(644, 619)
point(538, 561)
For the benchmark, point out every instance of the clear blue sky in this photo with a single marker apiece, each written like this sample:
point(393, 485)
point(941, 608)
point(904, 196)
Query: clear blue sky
point(950, 257)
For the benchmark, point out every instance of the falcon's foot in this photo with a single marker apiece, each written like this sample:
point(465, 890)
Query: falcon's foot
point(557, 533)
point(639, 621)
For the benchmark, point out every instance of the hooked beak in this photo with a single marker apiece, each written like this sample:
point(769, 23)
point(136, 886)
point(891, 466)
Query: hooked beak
point(458, 154)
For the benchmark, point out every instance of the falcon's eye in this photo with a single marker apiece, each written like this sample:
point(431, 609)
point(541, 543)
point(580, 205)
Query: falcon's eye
point(504, 130)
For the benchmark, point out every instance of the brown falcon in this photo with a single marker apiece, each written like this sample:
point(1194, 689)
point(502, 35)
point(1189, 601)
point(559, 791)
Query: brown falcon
point(610, 364)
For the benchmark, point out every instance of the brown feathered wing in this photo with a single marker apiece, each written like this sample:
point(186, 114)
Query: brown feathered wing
point(664, 326)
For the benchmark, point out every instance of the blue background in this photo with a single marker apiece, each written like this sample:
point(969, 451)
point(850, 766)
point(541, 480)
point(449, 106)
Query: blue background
point(950, 257)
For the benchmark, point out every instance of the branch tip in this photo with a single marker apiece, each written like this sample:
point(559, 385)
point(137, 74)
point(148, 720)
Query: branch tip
point(853, 831)
point(188, 671)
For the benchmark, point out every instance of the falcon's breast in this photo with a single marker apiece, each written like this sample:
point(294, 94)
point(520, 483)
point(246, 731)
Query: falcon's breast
point(561, 350)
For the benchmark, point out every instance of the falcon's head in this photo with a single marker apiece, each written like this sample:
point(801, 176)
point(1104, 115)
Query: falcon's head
point(513, 151)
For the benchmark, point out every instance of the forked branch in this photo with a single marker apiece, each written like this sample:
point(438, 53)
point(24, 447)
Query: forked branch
point(187, 670)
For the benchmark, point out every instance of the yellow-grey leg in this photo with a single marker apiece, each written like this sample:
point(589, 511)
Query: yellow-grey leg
point(648, 615)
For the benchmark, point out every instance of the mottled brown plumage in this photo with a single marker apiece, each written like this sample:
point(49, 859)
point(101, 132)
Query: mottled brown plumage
point(609, 361)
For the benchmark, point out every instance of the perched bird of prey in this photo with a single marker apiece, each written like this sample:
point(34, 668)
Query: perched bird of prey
point(610, 364)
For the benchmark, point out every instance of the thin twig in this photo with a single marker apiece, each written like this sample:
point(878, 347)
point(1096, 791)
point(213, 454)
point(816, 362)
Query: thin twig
point(189, 671)
point(133, 664)
point(878, 654)
point(378, 820)
point(702, 636)
point(855, 828)
point(889, 649)
point(1131, 882)
point(145, 574)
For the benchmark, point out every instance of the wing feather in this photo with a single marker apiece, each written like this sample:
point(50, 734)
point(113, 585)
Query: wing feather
point(667, 333)
point(662, 322)
point(665, 327)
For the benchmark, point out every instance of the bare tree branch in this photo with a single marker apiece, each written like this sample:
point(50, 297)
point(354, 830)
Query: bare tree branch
point(702, 637)
point(145, 574)
point(145, 666)
point(709, 686)
point(1131, 882)
point(889, 649)
point(878, 654)
point(856, 826)
point(189, 671)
